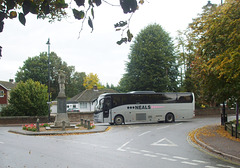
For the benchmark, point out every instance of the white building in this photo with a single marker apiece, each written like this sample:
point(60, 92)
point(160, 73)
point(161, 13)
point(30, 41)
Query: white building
point(84, 100)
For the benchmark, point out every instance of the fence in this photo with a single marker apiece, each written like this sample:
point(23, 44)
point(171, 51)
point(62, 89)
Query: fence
point(232, 129)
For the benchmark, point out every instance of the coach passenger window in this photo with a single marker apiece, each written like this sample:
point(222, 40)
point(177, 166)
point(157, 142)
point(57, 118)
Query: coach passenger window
point(185, 98)
point(170, 98)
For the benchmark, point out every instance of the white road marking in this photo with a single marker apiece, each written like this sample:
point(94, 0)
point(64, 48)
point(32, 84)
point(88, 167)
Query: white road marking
point(133, 127)
point(1, 142)
point(178, 124)
point(169, 159)
point(181, 158)
point(104, 147)
point(211, 167)
point(164, 142)
point(190, 163)
point(220, 165)
point(163, 127)
point(131, 148)
point(144, 133)
point(121, 147)
point(149, 155)
point(199, 161)
point(82, 143)
point(145, 151)
point(134, 152)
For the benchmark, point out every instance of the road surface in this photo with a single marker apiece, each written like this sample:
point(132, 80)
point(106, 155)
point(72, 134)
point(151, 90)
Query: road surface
point(131, 145)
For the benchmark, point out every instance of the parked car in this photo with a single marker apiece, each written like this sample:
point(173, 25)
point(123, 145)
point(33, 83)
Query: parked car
point(73, 110)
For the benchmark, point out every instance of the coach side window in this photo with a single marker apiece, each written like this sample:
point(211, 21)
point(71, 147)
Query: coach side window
point(185, 98)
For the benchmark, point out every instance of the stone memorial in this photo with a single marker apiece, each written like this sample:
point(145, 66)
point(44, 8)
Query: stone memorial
point(62, 116)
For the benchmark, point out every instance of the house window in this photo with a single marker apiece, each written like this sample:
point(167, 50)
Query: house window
point(83, 105)
point(1, 93)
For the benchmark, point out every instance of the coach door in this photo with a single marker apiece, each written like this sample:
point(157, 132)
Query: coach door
point(106, 109)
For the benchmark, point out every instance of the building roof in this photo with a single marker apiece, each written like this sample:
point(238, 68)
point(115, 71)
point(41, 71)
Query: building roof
point(89, 95)
point(8, 85)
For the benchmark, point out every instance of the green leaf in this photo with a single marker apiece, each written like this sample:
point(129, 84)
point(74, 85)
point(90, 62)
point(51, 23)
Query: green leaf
point(60, 4)
point(92, 11)
point(128, 6)
point(90, 2)
point(141, 1)
point(45, 7)
point(80, 2)
point(29, 6)
point(2, 16)
point(13, 14)
point(122, 41)
point(26, 7)
point(98, 2)
point(120, 24)
point(22, 18)
point(1, 26)
point(130, 35)
point(78, 14)
point(10, 4)
point(90, 23)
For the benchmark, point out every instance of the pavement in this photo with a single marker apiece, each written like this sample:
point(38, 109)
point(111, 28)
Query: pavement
point(215, 140)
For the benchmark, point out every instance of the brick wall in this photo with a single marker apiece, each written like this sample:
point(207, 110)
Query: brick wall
point(212, 111)
point(73, 117)
point(76, 116)
point(24, 119)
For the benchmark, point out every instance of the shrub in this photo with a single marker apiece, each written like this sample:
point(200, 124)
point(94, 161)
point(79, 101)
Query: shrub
point(28, 99)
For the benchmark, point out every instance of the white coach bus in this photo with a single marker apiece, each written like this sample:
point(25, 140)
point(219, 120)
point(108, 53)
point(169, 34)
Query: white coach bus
point(144, 106)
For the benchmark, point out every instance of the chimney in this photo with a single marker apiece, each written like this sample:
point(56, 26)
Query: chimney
point(95, 88)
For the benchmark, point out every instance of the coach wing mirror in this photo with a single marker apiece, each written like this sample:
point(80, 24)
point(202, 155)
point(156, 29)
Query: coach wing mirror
point(94, 101)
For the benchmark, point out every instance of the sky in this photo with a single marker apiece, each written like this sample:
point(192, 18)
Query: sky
point(95, 52)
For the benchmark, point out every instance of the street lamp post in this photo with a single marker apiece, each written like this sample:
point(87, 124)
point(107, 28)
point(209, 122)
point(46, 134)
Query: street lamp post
point(48, 43)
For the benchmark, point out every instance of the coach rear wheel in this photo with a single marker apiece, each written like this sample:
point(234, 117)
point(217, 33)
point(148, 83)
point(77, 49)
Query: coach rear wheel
point(169, 118)
point(118, 120)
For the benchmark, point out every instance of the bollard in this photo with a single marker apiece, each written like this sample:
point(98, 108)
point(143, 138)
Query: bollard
point(85, 124)
point(232, 131)
point(236, 131)
point(88, 125)
point(37, 125)
point(81, 122)
point(63, 125)
point(225, 126)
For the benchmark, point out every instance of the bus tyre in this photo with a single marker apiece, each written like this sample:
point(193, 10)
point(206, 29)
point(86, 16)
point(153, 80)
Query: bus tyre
point(169, 118)
point(118, 120)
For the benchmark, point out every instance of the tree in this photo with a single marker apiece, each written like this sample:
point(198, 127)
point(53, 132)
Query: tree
point(76, 84)
point(152, 63)
point(56, 10)
point(36, 68)
point(216, 65)
point(28, 99)
point(92, 80)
